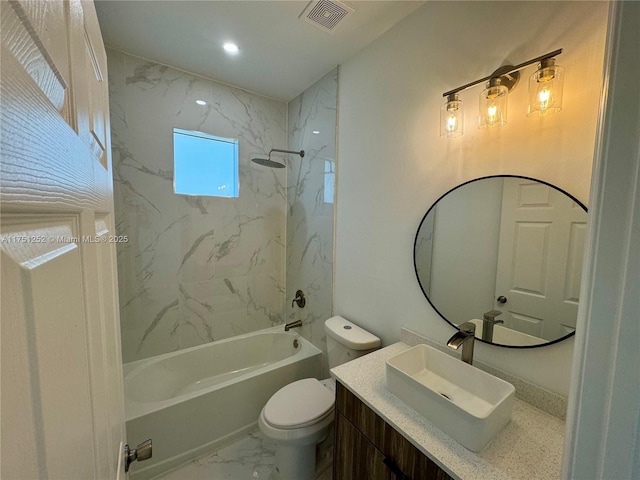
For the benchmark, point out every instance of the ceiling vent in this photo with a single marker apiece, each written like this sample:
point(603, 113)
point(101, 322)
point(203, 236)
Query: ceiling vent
point(326, 14)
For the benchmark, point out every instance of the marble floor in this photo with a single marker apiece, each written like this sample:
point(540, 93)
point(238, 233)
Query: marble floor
point(248, 458)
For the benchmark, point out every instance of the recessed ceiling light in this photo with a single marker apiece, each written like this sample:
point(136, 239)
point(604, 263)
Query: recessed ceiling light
point(230, 48)
point(201, 102)
point(316, 132)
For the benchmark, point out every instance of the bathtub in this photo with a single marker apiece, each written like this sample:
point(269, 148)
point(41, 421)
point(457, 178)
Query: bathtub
point(194, 400)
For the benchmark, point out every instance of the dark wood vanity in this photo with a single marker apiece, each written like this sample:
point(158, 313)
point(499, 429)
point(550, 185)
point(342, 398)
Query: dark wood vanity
point(366, 447)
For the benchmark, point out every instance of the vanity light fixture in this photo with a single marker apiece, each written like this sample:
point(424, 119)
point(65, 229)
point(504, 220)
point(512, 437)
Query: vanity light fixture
point(452, 117)
point(545, 95)
point(545, 88)
point(493, 104)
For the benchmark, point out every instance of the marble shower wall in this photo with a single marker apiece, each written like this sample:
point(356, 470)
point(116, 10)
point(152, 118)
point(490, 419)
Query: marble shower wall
point(195, 269)
point(310, 206)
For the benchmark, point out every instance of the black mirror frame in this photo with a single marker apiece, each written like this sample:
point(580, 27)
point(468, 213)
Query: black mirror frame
point(415, 243)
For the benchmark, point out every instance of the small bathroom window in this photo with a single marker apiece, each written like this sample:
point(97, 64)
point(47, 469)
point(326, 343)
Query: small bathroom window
point(329, 180)
point(204, 164)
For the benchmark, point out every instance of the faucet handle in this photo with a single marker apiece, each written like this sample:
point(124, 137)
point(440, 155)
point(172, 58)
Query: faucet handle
point(491, 315)
point(467, 327)
point(299, 300)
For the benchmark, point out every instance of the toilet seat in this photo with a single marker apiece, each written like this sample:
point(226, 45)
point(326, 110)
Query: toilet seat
point(299, 404)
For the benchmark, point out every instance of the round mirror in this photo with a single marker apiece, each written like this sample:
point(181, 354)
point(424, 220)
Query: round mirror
point(504, 252)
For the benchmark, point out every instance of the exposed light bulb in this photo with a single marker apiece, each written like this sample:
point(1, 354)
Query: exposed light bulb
point(544, 97)
point(452, 124)
point(452, 117)
point(201, 102)
point(492, 111)
point(545, 89)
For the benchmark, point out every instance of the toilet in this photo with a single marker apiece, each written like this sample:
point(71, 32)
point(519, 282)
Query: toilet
point(299, 415)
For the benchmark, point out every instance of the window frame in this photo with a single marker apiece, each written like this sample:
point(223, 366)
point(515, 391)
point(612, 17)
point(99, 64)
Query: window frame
point(215, 138)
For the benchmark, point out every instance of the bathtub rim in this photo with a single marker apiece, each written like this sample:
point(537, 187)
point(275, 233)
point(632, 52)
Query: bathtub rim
point(135, 409)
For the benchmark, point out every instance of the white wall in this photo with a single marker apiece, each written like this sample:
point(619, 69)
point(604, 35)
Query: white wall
point(465, 247)
point(392, 164)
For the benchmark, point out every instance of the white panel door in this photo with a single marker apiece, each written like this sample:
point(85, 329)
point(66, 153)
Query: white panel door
point(542, 233)
point(62, 396)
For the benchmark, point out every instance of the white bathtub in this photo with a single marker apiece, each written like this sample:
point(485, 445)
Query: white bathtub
point(192, 400)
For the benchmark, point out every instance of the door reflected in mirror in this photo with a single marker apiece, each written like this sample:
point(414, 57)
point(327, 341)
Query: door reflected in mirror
point(506, 253)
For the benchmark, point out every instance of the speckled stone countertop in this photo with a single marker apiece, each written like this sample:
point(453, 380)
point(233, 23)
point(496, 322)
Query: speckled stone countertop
point(530, 446)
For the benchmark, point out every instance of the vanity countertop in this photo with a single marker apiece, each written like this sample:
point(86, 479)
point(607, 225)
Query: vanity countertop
point(530, 446)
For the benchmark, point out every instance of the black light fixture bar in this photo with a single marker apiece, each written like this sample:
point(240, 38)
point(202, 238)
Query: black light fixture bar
point(514, 69)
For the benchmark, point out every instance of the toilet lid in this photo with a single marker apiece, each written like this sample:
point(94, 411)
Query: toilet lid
point(298, 403)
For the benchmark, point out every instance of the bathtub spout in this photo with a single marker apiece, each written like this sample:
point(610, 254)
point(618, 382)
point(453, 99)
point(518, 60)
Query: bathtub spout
point(289, 326)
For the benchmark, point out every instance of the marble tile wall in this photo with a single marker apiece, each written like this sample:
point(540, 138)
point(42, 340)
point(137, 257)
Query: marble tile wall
point(195, 269)
point(310, 206)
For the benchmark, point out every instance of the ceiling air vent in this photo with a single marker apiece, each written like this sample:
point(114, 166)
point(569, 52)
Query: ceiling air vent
point(326, 14)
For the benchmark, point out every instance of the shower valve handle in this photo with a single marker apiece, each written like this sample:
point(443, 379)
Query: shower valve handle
point(299, 300)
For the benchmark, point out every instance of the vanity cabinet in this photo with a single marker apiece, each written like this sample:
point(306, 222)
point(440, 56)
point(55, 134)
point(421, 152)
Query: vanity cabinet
point(367, 447)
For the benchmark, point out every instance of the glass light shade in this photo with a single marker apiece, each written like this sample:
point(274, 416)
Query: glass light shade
point(452, 117)
point(493, 105)
point(545, 89)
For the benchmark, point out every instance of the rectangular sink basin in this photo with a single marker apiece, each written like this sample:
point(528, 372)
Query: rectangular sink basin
point(469, 405)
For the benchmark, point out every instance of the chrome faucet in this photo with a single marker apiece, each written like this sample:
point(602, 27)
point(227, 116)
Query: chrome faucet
point(488, 321)
point(289, 326)
point(464, 338)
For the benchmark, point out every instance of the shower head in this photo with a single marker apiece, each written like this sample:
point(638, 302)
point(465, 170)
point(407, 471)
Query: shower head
point(267, 162)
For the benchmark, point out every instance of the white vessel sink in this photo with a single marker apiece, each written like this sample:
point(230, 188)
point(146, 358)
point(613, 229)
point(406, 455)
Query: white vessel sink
point(469, 405)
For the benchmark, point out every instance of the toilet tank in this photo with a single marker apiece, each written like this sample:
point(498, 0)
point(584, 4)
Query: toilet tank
point(347, 341)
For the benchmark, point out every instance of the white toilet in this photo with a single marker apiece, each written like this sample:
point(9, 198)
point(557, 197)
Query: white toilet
point(298, 416)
